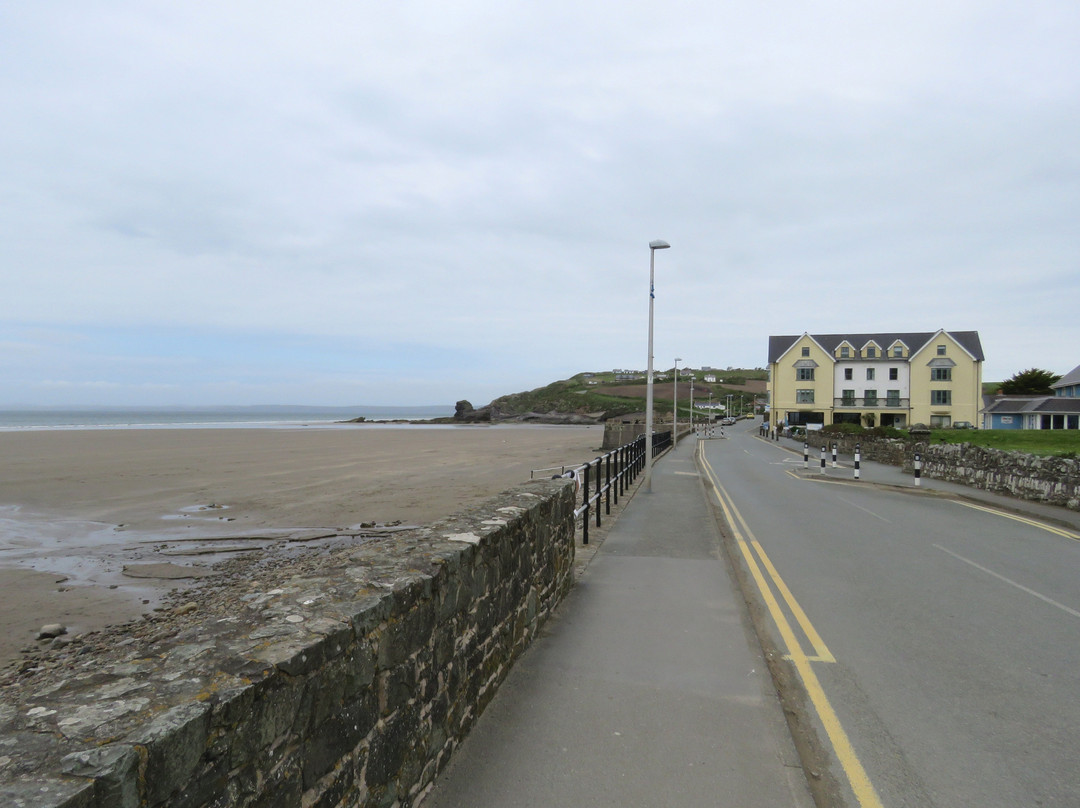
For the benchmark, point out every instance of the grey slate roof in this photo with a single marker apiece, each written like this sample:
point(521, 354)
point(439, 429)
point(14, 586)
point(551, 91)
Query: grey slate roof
point(1016, 405)
point(913, 339)
point(1068, 380)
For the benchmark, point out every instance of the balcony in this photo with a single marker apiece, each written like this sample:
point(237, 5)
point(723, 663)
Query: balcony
point(877, 403)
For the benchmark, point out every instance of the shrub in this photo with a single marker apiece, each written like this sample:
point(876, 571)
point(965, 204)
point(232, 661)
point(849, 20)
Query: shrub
point(844, 429)
point(885, 432)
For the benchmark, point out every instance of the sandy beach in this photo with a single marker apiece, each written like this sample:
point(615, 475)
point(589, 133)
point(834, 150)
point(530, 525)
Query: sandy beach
point(78, 507)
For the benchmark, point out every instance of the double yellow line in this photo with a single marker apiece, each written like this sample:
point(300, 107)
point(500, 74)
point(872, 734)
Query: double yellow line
point(756, 559)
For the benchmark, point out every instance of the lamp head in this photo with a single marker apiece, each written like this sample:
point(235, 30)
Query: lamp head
point(658, 245)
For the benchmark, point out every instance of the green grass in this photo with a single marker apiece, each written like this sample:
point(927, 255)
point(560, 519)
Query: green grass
point(1043, 442)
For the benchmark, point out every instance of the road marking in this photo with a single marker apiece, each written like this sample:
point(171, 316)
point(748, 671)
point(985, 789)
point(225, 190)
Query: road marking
point(688, 473)
point(1068, 534)
point(1009, 581)
point(857, 777)
point(861, 508)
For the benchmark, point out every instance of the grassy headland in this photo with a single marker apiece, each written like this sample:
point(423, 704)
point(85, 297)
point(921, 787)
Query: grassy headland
point(601, 396)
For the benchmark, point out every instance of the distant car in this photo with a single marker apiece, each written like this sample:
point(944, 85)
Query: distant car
point(727, 421)
point(963, 425)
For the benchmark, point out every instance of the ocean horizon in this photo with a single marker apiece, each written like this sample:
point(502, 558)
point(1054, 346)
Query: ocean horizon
point(270, 415)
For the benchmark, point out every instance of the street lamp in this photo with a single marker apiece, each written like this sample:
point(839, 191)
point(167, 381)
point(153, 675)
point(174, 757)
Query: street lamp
point(653, 247)
point(692, 433)
point(675, 406)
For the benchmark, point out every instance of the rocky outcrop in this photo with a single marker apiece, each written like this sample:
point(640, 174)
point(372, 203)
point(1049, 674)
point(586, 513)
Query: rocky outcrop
point(465, 413)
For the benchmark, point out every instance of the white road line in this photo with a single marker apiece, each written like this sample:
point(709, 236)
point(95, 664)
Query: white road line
point(861, 508)
point(1009, 581)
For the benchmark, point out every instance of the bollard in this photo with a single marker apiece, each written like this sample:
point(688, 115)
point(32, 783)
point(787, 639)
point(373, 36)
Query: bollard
point(806, 455)
point(823, 458)
point(834, 455)
point(857, 458)
point(918, 469)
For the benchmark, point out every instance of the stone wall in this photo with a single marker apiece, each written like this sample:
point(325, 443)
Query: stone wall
point(1055, 480)
point(335, 678)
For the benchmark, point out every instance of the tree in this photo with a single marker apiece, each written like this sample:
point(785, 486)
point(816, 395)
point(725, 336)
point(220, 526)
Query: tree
point(1030, 382)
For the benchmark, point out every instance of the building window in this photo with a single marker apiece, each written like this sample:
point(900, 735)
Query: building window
point(869, 374)
point(940, 397)
point(892, 398)
point(941, 374)
point(847, 374)
point(941, 350)
point(870, 398)
point(845, 352)
point(940, 421)
point(871, 353)
point(894, 374)
point(847, 398)
point(804, 396)
point(898, 351)
point(804, 374)
point(806, 351)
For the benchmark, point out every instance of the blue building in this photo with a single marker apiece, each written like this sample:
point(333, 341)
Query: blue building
point(1069, 384)
point(1059, 411)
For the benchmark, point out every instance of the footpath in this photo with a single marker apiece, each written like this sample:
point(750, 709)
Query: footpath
point(647, 688)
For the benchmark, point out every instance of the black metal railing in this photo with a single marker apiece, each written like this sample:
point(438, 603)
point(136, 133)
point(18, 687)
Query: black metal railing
point(603, 480)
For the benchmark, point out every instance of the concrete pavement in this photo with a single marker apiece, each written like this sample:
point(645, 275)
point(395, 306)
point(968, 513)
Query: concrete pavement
point(647, 688)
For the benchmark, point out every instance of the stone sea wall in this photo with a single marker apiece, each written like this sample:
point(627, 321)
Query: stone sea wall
point(337, 678)
point(1055, 480)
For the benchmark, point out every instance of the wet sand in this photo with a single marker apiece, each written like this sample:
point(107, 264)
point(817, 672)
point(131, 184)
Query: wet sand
point(78, 506)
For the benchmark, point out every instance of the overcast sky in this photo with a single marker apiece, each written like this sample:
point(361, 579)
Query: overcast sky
point(418, 202)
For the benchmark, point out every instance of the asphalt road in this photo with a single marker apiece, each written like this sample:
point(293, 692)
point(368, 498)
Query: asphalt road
point(934, 646)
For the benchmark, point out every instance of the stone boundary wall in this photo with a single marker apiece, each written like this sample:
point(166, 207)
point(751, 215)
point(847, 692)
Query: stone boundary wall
point(336, 678)
point(1055, 480)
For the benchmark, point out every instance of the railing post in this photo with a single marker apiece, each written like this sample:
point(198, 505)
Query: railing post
point(585, 507)
point(599, 468)
point(607, 483)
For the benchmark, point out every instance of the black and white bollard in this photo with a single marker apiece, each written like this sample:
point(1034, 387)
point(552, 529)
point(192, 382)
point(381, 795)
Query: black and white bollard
point(918, 469)
point(858, 457)
point(806, 455)
point(834, 455)
point(823, 458)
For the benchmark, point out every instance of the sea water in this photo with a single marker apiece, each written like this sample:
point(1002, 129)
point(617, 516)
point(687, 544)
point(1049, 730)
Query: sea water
point(181, 417)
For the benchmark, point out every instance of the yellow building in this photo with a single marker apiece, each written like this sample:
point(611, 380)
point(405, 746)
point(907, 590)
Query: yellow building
point(888, 379)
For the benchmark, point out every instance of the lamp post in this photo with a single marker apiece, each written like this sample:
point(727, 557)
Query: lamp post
point(653, 247)
point(691, 403)
point(675, 405)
